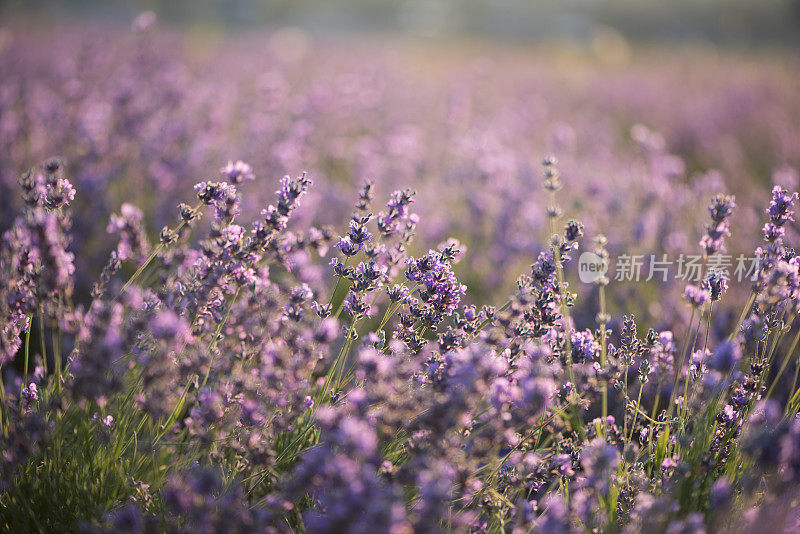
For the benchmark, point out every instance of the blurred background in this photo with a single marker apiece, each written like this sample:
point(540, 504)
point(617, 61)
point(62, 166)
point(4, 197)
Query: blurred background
point(742, 22)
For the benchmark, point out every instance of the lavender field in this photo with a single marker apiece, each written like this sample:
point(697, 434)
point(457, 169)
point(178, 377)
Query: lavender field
point(267, 281)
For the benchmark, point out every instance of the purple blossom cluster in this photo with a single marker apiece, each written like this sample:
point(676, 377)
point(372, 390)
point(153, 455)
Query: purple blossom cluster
point(250, 368)
point(721, 208)
point(440, 416)
point(35, 257)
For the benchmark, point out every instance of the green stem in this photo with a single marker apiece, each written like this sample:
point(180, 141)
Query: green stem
point(636, 412)
point(783, 365)
point(679, 363)
point(796, 375)
point(794, 398)
point(41, 339)
point(766, 357)
point(388, 314)
point(603, 354)
point(657, 399)
point(217, 332)
point(141, 268)
point(502, 308)
point(566, 317)
point(56, 358)
point(2, 405)
point(155, 252)
point(182, 399)
point(625, 403)
point(685, 408)
point(345, 352)
point(27, 351)
point(561, 290)
point(708, 326)
point(336, 285)
point(336, 364)
point(742, 317)
point(173, 416)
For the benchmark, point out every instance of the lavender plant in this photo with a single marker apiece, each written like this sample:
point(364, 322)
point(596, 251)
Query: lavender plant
point(348, 356)
point(204, 385)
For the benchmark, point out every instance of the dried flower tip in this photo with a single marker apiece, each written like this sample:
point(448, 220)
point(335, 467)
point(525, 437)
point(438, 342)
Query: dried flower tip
point(323, 310)
point(167, 236)
point(552, 184)
point(366, 195)
point(187, 213)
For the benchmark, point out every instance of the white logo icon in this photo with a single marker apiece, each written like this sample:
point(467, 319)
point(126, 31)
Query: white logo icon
point(591, 267)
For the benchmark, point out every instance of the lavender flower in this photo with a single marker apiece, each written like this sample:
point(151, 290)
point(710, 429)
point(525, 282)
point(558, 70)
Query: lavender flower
point(716, 284)
point(697, 297)
point(276, 218)
point(397, 210)
point(132, 238)
point(238, 172)
point(780, 207)
point(721, 208)
point(439, 287)
point(584, 347)
point(221, 196)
